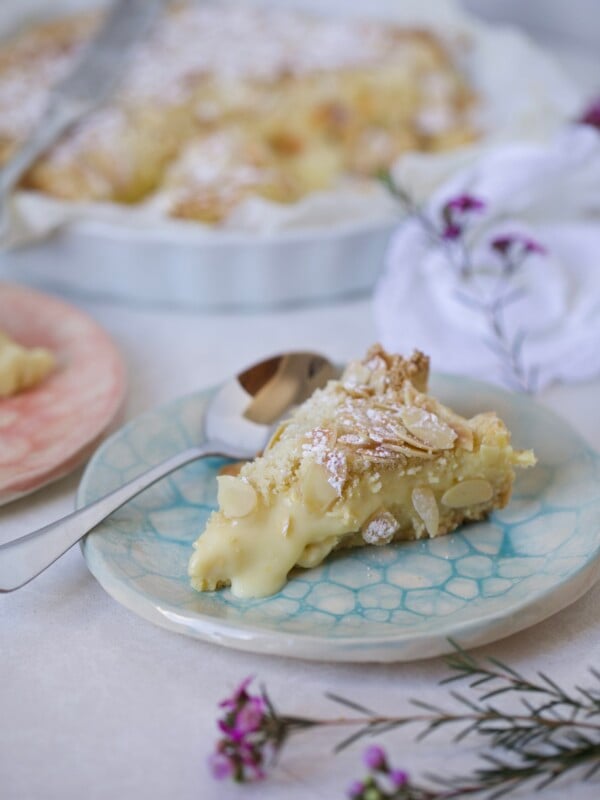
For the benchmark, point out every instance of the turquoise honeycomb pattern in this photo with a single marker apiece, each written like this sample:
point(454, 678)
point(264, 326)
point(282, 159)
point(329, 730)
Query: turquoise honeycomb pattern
point(409, 598)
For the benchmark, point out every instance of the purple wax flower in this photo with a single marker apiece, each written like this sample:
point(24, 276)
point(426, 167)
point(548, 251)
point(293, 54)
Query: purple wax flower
point(465, 202)
point(249, 755)
point(531, 246)
point(399, 778)
point(355, 790)
point(254, 772)
point(374, 757)
point(226, 728)
point(250, 736)
point(221, 766)
point(452, 231)
point(250, 717)
point(455, 212)
point(240, 694)
point(591, 116)
point(504, 244)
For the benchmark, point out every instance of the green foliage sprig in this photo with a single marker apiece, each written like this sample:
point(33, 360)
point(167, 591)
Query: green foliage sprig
point(536, 732)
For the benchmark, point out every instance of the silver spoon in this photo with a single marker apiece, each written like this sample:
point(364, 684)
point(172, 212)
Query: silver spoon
point(90, 83)
point(238, 424)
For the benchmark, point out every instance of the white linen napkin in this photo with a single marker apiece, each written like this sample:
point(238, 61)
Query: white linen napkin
point(550, 327)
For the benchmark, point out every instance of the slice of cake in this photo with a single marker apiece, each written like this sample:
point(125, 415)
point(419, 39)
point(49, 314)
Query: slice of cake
point(369, 459)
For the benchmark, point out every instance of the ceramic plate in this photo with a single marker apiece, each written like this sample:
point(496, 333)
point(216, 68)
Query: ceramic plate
point(50, 429)
point(394, 603)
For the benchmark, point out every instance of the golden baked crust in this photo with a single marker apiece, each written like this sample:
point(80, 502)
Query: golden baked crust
point(369, 459)
point(297, 103)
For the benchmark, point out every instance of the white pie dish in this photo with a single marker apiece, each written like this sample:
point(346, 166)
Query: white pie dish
point(231, 271)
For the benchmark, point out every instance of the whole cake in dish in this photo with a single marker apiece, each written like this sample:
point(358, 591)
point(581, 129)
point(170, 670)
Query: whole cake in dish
point(225, 101)
point(370, 459)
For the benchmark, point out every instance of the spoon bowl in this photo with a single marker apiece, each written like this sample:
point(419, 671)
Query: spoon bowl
point(245, 410)
point(238, 424)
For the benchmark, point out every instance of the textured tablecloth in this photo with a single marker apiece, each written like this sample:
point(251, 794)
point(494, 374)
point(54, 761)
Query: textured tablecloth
point(96, 703)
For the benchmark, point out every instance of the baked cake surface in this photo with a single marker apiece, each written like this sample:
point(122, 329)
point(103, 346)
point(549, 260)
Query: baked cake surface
point(367, 460)
point(289, 103)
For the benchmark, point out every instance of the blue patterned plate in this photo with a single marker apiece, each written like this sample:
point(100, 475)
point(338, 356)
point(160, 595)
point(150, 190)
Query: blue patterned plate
point(395, 603)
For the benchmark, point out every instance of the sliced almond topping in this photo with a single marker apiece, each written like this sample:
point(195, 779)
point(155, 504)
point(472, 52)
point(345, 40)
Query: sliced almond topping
point(405, 450)
point(317, 491)
point(378, 381)
point(423, 500)
point(460, 426)
point(236, 497)
point(468, 493)
point(428, 427)
point(358, 392)
point(357, 374)
point(457, 423)
point(380, 528)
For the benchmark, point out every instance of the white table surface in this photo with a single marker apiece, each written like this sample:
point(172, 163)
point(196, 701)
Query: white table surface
point(97, 703)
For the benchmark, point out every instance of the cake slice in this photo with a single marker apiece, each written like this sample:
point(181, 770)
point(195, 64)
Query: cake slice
point(367, 460)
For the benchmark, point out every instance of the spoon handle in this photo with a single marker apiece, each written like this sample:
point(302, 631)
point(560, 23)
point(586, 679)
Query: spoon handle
point(23, 559)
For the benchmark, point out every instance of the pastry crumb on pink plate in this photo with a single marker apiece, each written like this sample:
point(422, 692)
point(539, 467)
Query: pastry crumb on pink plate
point(48, 430)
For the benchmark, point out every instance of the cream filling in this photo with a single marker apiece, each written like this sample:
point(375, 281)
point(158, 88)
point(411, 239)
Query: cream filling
point(22, 368)
point(255, 551)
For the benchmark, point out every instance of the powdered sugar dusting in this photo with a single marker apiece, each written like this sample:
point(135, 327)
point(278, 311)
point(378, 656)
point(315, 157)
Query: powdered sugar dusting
point(192, 42)
point(100, 126)
point(369, 422)
point(24, 91)
point(232, 41)
point(336, 463)
point(218, 158)
point(227, 41)
point(321, 446)
point(380, 529)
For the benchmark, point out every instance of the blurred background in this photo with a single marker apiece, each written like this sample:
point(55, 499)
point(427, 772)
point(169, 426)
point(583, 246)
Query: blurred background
point(566, 30)
point(575, 22)
point(569, 27)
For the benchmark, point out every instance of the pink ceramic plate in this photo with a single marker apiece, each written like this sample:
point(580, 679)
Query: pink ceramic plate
point(50, 429)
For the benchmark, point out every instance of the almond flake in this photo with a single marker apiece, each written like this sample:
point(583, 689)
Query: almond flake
point(468, 493)
point(380, 528)
point(429, 428)
point(237, 498)
point(423, 500)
